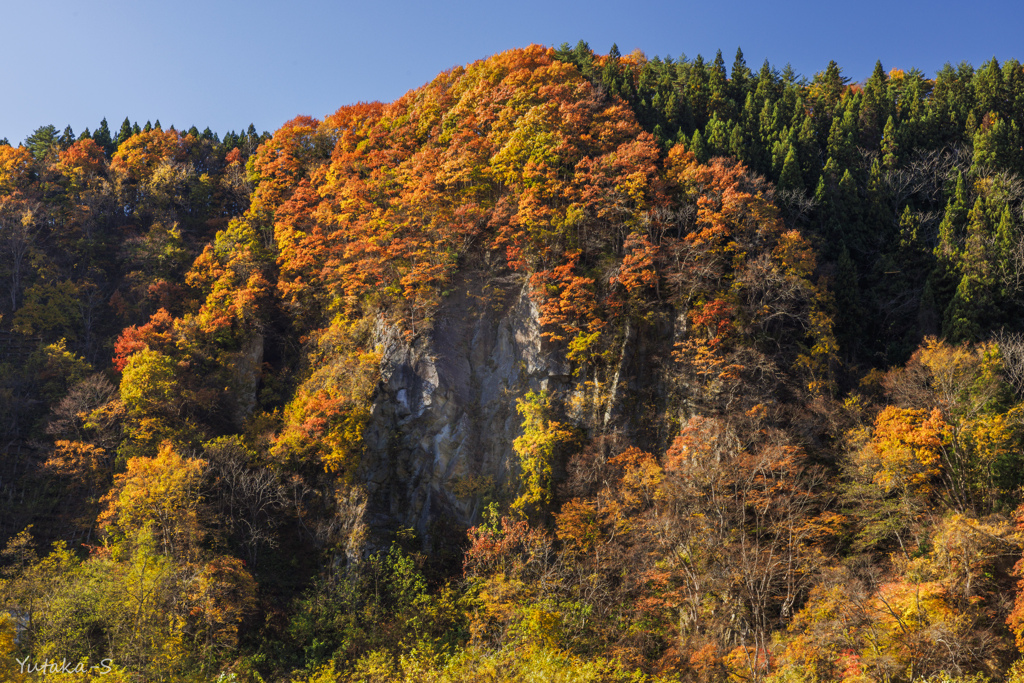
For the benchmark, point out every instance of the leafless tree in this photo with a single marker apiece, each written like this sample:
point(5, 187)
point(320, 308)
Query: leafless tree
point(736, 520)
point(1011, 346)
point(251, 496)
point(69, 417)
point(17, 237)
point(796, 206)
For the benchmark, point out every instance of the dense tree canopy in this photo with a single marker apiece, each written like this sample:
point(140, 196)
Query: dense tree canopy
point(815, 473)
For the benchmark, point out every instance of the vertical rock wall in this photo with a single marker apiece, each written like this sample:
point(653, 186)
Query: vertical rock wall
point(444, 416)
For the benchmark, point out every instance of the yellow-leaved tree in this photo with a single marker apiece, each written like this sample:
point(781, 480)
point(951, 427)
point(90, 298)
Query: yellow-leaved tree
point(537, 448)
point(159, 495)
point(973, 412)
point(10, 670)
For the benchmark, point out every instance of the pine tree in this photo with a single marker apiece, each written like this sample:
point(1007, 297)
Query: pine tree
point(849, 213)
point(1006, 233)
point(698, 91)
point(719, 103)
point(737, 147)
point(953, 222)
point(824, 193)
point(67, 138)
point(102, 138)
point(809, 152)
point(791, 179)
point(1006, 240)
point(42, 141)
point(1013, 84)
point(978, 226)
point(927, 311)
point(997, 144)
point(716, 136)
point(877, 212)
point(583, 58)
point(946, 274)
point(789, 76)
point(989, 91)
point(768, 88)
point(826, 90)
point(739, 78)
point(889, 147)
point(974, 305)
point(125, 132)
point(875, 109)
point(610, 77)
point(698, 148)
point(849, 307)
point(960, 322)
point(951, 104)
point(911, 250)
point(842, 138)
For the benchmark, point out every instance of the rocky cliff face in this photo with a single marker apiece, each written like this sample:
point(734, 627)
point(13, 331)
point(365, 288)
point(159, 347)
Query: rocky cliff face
point(444, 417)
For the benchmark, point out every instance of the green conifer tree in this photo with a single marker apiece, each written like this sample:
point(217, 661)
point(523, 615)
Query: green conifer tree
point(67, 138)
point(102, 138)
point(698, 148)
point(717, 136)
point(720, 103)
point(960, 322)
point(875, 108)
point(125, 132)
point(1007, 238)
point(737, 146)
point(791, 178)
point(928, 312)
point(739, 77)
point(42, 141)
point(849, 306)
point(842, 138)
point(890, 149)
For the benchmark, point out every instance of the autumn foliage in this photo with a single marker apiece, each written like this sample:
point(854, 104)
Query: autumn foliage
point(722, 370)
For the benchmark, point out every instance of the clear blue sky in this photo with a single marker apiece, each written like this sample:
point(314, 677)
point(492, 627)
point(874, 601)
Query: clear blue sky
point(227, 63)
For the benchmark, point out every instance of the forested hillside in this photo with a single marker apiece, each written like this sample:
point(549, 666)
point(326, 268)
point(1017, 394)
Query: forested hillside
point(562, 367)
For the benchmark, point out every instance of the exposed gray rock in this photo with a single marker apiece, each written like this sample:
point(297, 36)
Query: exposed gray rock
point(444, 418)
point(444, 415)
point(246, 366)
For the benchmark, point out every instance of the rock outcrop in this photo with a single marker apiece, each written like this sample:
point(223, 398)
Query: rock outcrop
point(439, 441)
point(444, 417)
